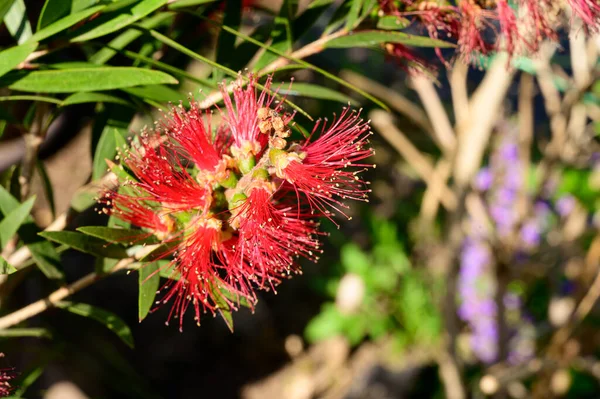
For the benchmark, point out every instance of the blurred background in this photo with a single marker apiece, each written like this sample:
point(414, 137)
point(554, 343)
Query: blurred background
point(471, 271)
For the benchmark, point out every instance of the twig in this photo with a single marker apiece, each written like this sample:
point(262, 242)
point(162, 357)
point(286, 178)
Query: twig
point(444, 134)
point(397, 101)
point(484, 111)
point(460, 96)
point(43, 304)
point(382, 121)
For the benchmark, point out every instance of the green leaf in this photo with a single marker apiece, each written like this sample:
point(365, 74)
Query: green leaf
point(369, 38)
point(13, 56)
point(31, 98)
point(187, 3)
point(109, 319)
point(13, 220)
point(125, 38)
point(85, 243)
point(117, 235)
point(171, 43)
point(225, 49)
point(158, 93)
point(42, 252)
point(121, 19)
point(17, 23)
point(64, 23)
point(392, 22)
point(352, 16)
point(149, 280)
point(115, 127)
point(93, 97)
point(5, 267)
point(25, 332)
point(52, 11)
point(307, 65)
point(89, 79)
point(5, 5)
point(315, 91)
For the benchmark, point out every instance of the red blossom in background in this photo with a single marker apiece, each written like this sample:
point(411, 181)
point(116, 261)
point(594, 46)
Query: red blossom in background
point(6, 376)
point(238, 203)
point(479, 27)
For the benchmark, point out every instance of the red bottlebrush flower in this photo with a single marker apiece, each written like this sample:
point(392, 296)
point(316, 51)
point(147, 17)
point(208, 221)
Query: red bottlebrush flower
point(318, 169)
point(239, 209)
point(6, 376)
point(536, 21)
point(508, 27)
point(472, 24)
point(199, 264)
point(161, 177)
point(588, 11)
point(270, 238)
point(242, 115)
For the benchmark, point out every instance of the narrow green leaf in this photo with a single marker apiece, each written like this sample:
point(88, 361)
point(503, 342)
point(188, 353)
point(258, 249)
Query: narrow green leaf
point(13, 220)
point(31, 98)
point(168, 68)
point(369, 38)
point(121, 19)
point(117, 235)
point(107, 146)
point(27, 380)
point(85, 243)
point(176, 5)
point(93, 97)
point(47, 186)
point(223, 307)
point(64, 23)
point(17, 23)
point(225, 49)
point(392, 22)
point(171, 43)
point(89, 79)
point(25, 332)
point(149, 280)
point(5, 5)
point(5, 267)
point(13, 56)
point(352, 17)
point(158, 93)
point(109, 319)
point(310, 66)
point(43, 252)
point(125, 38)
point(314, 91)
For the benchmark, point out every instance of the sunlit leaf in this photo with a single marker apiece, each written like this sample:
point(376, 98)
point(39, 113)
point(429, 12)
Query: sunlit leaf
point(13, 56)
point(17, 23)
point(121, 19)
point(369, 38)
point(148, 282)
point(13, 220)
point(93, 97)
point(25, 332)
point(89, 79)
point(64, 23)
point(392, 22)
point(85, 243)
point(118, 235)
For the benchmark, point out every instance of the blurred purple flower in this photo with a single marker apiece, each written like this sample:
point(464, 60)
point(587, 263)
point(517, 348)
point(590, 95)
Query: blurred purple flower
point(565, 205)
point(484, 179)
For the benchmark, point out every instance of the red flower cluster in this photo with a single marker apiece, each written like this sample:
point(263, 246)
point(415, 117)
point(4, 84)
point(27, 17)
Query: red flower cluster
point(481, 26)
point(6, 376)
point(239, 202)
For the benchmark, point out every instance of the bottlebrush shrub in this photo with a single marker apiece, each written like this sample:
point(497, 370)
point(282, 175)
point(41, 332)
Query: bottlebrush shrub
point(238, 203)
point(6, 376)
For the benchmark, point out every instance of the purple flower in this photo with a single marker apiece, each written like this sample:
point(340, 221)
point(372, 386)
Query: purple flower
point(484, 179)
point(565, 205)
